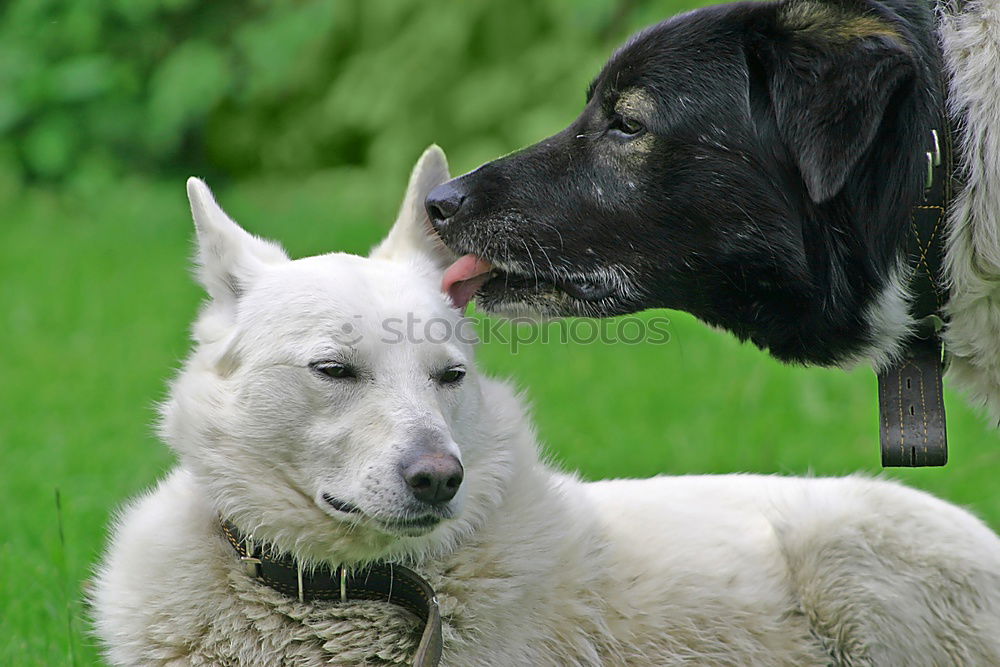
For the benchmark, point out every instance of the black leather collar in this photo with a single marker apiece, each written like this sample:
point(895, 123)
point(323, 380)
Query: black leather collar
point(913, 430)
point(384, 582)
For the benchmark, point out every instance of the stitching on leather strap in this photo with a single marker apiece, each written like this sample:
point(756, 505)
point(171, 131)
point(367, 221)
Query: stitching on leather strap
point(925, 248)
point(899, 402)
point(923, 412)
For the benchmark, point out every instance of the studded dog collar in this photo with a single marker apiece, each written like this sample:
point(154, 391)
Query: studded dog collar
point(381, 582)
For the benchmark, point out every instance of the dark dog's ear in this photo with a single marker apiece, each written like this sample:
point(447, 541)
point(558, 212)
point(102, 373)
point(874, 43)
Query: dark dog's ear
point(831, 76)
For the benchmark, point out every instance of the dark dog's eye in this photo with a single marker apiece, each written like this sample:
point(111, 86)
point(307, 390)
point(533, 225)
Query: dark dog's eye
point(452, 375)
point(623, 125)
point(334, 369)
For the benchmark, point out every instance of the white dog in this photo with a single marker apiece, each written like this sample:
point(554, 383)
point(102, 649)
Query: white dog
point(302, 423)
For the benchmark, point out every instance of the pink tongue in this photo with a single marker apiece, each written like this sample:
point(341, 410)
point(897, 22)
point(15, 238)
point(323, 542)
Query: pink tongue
point(464, 277)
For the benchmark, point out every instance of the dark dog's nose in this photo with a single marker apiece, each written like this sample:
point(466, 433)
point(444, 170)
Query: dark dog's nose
point(443, 202)
point(433, 478)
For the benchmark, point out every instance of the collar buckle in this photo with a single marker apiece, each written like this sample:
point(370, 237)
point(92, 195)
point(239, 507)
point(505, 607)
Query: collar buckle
point(250, 563)
point(251, 566)
point(937, 148)
point(933, 160)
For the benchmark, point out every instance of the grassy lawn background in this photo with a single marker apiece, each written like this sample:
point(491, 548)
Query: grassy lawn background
point(97, 299)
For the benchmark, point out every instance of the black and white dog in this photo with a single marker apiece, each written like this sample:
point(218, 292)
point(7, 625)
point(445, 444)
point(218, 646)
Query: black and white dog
point(757, 165)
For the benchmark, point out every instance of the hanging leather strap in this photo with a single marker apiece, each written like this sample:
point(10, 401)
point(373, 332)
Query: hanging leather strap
point(913, 429)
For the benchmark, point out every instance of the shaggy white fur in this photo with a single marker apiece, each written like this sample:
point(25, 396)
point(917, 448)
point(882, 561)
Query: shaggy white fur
point(531, 566)
point(971, 43)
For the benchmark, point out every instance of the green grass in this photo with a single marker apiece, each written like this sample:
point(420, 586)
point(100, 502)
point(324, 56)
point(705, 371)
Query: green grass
point(97, 298)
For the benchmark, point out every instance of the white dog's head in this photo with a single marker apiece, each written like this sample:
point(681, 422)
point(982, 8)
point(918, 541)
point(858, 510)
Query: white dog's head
point(330, 406)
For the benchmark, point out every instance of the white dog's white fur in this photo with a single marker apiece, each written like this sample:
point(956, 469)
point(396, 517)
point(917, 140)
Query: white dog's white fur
point(534, 567)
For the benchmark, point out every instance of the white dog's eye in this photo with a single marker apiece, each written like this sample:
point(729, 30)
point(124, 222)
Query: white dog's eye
point(334, 369)
point(452, 375)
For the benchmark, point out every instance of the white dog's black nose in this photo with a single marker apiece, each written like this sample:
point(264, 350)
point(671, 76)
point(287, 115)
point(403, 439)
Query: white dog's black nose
point(443, 203)
point(433, 478)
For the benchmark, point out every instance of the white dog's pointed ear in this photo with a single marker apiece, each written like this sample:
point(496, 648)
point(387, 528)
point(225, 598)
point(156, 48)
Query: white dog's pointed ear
point(412, 236)
point(229, 257)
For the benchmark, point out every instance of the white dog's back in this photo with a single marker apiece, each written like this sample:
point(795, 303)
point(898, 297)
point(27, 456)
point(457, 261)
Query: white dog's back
point(877, 571)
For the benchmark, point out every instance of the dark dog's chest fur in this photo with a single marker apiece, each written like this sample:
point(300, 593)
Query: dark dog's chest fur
point(755, 164)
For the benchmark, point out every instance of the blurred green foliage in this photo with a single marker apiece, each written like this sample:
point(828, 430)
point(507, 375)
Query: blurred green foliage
point(240, 87)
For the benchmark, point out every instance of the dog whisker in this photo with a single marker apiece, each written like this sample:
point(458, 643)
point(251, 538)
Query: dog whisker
point(562, 242)
point(534, 269)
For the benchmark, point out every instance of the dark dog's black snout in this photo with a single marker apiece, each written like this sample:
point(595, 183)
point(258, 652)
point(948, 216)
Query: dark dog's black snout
point(433, 478)
point(443, 203)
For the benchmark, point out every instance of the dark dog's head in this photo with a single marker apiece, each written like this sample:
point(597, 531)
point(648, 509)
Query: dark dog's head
point(752, 164)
